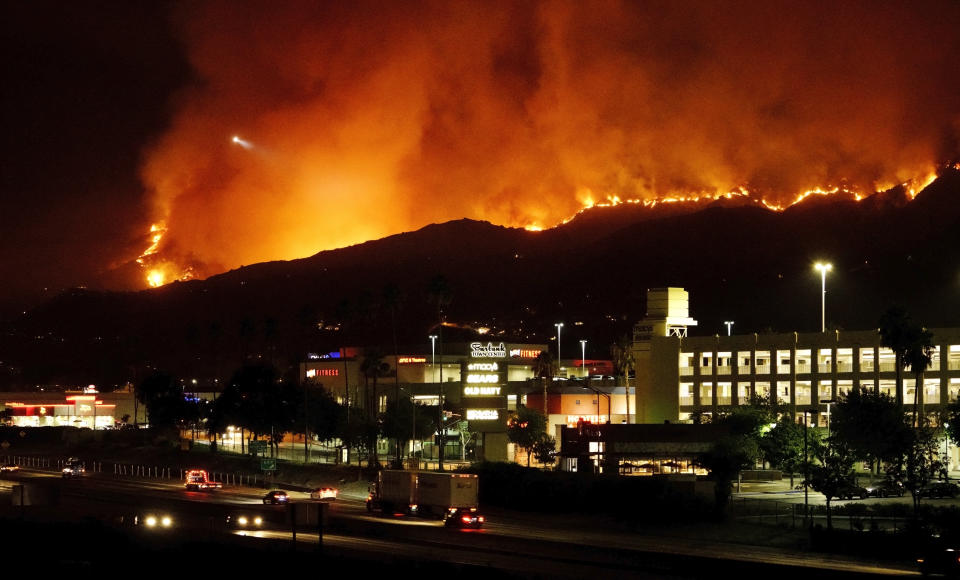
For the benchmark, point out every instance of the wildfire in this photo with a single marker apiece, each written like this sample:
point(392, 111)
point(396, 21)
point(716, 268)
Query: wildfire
point(160, 272)
point(916, 185)
point(156, 234)
point(588, 199)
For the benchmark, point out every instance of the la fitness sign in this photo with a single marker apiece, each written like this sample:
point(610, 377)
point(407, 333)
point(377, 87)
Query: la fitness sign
point(478, 350)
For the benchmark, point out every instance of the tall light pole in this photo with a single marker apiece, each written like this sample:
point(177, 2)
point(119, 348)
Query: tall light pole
point(729, 323)
point(559, 326)
point(433, 377)
point(583, 357)
point(806, 471)
point(823, 268)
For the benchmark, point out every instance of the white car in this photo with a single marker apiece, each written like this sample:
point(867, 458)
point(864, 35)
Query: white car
point(324, 493)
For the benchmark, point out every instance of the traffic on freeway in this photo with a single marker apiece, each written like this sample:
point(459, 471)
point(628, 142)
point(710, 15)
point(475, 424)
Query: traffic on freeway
point(560, 546)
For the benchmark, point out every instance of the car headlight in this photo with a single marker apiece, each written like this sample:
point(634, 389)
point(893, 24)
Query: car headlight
point(150, 521)
point(257, 520)
point(166, 521)
point(242, 520)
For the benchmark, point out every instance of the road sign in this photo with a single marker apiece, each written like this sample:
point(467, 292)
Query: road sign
point(268, 464)
point(257, 447)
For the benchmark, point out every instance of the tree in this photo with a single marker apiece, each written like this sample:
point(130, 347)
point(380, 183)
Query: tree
point(544, 369)
point(918, 356)
point(373, 368)
point(911, 345)
point(544, 450)
point(782, 446)
point(526, 428)
point(729, 454)
point(162, 395)
point(262, 402)
point(623, 363)
point(918, 466)
point(833, 472)
point(872, 425)
point(407, 419)
point(392, 298)
point(952, 420)
point(319, 416)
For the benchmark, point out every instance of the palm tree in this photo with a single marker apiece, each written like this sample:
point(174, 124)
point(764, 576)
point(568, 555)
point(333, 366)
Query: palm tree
point(440, 294)
point(919, 355)
point(374, 368)
point(895, 327)
point(912, 346)
point(544, 369)
point(624, 362)
point(392, 297)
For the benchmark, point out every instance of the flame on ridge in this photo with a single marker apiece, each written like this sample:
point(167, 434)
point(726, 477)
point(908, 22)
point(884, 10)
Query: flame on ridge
point(587, 198)
point(157, 271)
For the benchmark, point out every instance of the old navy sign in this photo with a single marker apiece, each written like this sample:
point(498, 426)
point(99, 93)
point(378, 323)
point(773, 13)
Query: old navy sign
point(478, 350)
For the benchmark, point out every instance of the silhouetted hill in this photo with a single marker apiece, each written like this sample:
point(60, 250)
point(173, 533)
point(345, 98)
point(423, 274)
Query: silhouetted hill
point(740, 261)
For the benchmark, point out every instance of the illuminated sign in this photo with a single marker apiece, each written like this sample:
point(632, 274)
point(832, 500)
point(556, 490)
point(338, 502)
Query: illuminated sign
point(81, 398)
point(572, 420)
point(481, 378)
point(483, 367)
point(524, 353)
point(409, 360)
point(315, 356)
point(322, 373)
point(478, 350)
point(483, 415)
point(482, 391)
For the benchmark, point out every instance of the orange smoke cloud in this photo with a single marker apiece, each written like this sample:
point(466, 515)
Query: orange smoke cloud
point(366, 119)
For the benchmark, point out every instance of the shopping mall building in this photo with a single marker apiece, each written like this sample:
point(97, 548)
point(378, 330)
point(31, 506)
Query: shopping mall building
point(676, 375)
point(481, 382)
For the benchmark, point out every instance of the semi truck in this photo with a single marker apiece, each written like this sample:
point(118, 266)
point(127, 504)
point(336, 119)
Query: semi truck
point(450, 496)
point(197, 479)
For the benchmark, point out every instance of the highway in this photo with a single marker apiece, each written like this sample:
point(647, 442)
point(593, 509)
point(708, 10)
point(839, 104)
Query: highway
point(523, 544)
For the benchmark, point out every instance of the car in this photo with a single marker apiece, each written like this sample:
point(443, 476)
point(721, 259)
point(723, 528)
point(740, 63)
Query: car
point(851, 491)
point(939, 488)
point(886, 488)
point(324, 493)
point(277, 496)
point(463, 518)
point(9, 467)
point(940, 560)
point(245, 521)
point(73, 467)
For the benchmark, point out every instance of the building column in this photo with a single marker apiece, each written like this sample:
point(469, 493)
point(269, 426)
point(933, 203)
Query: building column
point(696, 378)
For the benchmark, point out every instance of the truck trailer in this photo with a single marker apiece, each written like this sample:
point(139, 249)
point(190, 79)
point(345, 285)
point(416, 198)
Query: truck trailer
point(450, 496)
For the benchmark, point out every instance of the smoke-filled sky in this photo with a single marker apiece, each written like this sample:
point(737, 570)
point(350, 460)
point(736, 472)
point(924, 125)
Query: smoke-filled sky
point(362, 119)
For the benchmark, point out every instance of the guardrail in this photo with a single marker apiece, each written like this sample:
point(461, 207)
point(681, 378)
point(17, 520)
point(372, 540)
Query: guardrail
point(134, 470)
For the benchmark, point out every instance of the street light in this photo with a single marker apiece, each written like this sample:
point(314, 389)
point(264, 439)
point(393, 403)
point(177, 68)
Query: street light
point(729, 323)
point(433, 377)
point(559, 326)
point(806, 472)
point(583, 358)
point(823, 268)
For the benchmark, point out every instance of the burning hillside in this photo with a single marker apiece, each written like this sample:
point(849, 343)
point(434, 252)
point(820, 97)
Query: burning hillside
point(314, 126)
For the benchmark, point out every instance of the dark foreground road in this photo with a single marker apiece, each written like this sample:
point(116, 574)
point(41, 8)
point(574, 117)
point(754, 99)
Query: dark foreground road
point(91, 526)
